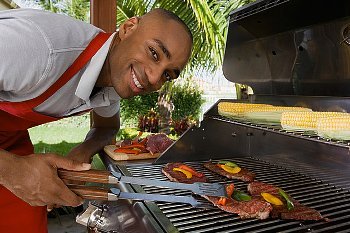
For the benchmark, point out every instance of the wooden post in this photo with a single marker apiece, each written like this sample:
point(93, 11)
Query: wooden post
point(103, 14)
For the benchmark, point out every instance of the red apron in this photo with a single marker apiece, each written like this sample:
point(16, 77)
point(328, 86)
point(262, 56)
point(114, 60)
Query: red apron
point(16, 216)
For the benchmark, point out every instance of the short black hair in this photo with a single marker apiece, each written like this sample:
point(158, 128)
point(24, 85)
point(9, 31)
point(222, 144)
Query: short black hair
point(171, 15)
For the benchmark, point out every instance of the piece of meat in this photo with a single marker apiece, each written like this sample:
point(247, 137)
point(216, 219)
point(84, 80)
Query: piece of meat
point(255, 208)
point(179, 176)
point(158, 143)
point(244, 174)
point(300, 212)
point(256, 187)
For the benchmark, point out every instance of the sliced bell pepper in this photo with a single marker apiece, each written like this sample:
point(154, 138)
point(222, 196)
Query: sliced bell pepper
point(271, 199)
point(127, 151)
point(241, 196)
point(228, 163)
point(222, 201)
point(290, 204)
point(230, 189)
point(194, 172)
point(143, 141)
point(187, 173)
point(232, 170)
point(138, 146)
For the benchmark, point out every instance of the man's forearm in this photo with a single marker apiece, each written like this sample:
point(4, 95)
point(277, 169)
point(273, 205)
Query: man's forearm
point(6, 162)
point(97, 138)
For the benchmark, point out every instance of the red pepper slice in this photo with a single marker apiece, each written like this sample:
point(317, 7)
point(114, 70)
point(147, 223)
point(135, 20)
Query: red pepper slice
point(194, 172)
point(222, 201)
point(143, 141)
point(127, 151)
point(229, 189)
point(138, 146)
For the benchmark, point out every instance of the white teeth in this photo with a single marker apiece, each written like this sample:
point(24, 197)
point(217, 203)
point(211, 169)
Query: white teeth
point(137, 83)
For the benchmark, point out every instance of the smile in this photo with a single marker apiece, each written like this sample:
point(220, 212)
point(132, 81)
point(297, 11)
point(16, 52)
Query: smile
point(136, 82)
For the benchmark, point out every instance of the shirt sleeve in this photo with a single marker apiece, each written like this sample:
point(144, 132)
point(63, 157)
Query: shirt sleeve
point(108, 111)
point(25, 57)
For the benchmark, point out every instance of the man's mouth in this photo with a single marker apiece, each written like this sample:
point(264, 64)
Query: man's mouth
point(136, 82)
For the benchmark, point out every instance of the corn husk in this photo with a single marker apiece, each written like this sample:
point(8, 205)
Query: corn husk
point(235, 110)
point(271, 115)
point(336, 128)
point(304, 121)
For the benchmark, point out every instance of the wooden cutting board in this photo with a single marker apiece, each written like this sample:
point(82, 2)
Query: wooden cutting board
point(109, 149)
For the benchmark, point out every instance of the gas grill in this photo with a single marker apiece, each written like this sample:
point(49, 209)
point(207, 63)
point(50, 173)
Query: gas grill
point(292, 53)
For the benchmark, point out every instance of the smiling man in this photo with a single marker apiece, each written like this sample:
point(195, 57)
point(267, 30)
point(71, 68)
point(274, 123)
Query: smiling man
point(51, 67)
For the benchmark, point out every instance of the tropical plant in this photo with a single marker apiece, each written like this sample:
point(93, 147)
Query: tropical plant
point(78, 9)
point(207, 21)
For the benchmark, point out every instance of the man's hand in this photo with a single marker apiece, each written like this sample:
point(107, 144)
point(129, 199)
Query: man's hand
point(34, 179)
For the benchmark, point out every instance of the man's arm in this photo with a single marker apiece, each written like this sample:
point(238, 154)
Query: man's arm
point(102, 132)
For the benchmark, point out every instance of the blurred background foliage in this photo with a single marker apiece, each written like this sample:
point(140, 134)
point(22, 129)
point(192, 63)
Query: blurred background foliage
point(207, 21)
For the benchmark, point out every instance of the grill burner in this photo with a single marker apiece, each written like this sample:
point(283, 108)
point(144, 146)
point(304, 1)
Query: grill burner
point(332, 202)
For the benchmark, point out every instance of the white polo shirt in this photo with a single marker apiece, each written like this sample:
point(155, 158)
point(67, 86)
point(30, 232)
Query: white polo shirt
point(36, 47)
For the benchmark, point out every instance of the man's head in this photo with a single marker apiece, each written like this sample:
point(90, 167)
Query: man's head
point(152, 50)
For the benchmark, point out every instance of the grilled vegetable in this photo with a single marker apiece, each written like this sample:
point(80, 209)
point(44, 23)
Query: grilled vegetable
point(241, 196)
point(222, 201)
point(290, 204)
point(271, 114)
point(195, 173)
point(187, 173)
point(228, 163)
point(271, 199)
point(229, 169)
point(235, 110)
point(127, 151)
point(334, 127)
point(305, 120)
point(229, 190)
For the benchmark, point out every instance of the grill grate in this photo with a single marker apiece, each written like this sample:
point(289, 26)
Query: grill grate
point(310, 135)
point(332, 202)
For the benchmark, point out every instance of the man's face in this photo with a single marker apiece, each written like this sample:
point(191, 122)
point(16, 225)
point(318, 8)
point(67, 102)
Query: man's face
point(151, 51)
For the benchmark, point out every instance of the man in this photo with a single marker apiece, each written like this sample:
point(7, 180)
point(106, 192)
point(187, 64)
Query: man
point(52, 66)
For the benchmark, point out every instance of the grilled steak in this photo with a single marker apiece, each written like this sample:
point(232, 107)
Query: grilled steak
point(244, 174)
point(158, 143)
point(256, 187)
point(300, 212)
point(255, 208)
point(179, 176)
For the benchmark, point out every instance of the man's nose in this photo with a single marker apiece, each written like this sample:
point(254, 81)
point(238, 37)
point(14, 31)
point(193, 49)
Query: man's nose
point(155, 74)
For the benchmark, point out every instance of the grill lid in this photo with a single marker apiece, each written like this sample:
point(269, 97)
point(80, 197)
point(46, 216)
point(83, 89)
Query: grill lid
point(290, 47)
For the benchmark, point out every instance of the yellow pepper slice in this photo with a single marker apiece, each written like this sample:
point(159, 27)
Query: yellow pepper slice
point(187, 173)
point(229, 169)
point(271, 199)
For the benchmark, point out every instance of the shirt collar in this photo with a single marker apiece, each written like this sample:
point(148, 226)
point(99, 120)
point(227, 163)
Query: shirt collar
point(92, 71)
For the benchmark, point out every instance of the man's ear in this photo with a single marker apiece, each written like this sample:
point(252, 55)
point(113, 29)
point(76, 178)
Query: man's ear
point(128, 27)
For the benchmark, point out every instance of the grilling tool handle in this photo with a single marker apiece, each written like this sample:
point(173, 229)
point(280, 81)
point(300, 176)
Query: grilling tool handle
point(90, 192)
point(94, 176)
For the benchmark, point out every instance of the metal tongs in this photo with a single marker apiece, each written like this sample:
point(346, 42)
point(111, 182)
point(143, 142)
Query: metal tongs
point(113, 194)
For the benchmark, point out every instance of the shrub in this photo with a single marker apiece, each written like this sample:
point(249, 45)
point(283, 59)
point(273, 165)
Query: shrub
point(186, 97)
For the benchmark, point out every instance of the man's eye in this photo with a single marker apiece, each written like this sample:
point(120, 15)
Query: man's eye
point(167, 76)
point(154, 53)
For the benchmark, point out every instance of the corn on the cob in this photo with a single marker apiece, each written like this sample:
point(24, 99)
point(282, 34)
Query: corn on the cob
point(305, 121)
point(235, 110)
point(271, 114)
point(334, 127)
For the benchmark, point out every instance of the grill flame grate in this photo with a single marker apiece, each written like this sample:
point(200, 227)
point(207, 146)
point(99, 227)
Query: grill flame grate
point(332, 202)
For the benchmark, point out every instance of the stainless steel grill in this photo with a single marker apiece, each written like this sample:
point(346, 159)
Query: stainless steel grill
point(292, 53)
point(333, 202)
